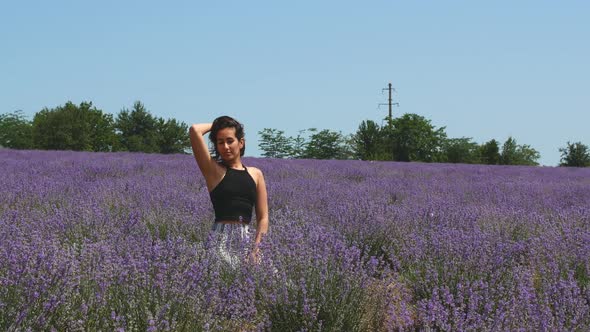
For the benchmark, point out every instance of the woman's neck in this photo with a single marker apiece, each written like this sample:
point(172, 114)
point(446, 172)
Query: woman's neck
point(235, 164)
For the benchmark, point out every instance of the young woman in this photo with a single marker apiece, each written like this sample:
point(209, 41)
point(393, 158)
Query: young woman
point(234, 188)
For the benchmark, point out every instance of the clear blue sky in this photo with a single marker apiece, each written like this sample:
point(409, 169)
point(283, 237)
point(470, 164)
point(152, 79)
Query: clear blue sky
point(482, 69)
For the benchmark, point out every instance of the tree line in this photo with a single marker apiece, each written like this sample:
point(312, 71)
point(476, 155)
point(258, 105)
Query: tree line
point(410, 137)
point(85, 128)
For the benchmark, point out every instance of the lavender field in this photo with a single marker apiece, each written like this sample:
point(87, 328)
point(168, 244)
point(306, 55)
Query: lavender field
point(93, 241)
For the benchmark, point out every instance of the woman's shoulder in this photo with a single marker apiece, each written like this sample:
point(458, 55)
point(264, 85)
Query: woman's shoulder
point(255, 172)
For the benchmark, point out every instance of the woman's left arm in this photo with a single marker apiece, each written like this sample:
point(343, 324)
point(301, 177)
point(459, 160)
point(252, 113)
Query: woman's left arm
point(261, 208)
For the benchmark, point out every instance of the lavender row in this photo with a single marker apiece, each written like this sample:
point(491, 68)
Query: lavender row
point(94, 241)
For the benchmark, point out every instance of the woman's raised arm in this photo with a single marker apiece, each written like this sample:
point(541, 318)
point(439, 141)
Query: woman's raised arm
point(200, 149)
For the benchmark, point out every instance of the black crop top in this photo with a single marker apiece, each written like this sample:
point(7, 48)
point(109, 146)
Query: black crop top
point(234, 197)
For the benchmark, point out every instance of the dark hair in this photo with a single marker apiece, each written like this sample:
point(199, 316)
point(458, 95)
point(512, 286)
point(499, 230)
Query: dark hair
point(221, 123)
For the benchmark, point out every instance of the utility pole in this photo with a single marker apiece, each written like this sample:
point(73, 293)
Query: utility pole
point(390, 103)
point(390, 118)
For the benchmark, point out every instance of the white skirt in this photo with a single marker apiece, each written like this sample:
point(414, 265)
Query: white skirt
point(232, 242)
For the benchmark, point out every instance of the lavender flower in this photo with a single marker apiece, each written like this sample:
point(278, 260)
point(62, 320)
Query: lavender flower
point(97, 241)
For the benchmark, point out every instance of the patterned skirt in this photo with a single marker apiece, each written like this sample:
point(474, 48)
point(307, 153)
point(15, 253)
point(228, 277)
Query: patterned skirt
point(232, 242)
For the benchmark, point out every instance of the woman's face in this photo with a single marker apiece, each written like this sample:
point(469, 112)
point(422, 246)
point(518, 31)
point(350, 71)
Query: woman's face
point(228, 146)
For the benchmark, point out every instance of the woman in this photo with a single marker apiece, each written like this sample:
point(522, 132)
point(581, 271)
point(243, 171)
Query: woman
point(233, 188)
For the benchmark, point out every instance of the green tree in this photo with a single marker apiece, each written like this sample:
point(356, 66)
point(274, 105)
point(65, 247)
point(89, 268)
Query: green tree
point(138, 130)
point(72, 127)
point(412, 137)
point(575, 155)
point(490, 152)
point(515, 154)
point(509, 152)
point(368, 142)
point(298, 144)
point(274, 143)
point(461, 150)
point(528, 155)
point(326, 144)
point(173, 136)
point(16, 131)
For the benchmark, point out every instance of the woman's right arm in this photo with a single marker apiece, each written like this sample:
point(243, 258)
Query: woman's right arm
point(200, 149)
